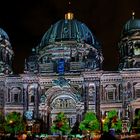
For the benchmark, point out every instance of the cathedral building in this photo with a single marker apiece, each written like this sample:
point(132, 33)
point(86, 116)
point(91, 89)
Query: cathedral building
point(64, 74)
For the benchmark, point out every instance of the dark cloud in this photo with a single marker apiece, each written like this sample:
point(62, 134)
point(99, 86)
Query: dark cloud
point(26, 21)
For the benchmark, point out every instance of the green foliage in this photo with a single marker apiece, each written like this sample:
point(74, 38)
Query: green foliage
point(112, 121)
point(111, 114)
point(90, 122)
point(14, 123)
point(60, 124)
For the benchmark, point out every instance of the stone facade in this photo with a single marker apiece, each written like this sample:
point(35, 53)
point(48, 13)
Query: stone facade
point(64, 74)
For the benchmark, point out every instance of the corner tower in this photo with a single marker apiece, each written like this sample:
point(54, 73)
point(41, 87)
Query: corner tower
point(129, 46)
point(6, 53)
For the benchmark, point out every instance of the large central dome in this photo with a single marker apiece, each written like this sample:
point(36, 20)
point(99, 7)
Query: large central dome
point(68, 30)
point(68, 46)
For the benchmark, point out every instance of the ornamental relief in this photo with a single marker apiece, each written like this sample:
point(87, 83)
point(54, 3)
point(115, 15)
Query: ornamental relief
point(32, 88)
point(136, 90)
point(64, 103)
point(110, 92)
point(15, 95)
point(15, 90)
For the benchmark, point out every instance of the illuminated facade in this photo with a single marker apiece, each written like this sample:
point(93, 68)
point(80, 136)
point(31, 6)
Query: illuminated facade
point(64, 74)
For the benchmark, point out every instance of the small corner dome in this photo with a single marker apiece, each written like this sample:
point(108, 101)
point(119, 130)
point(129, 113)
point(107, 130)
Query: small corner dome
point(3, 34)
point(131, 26)
point(68, 30)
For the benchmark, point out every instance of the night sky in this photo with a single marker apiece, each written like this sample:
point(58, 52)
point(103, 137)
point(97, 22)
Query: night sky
point(26, 21)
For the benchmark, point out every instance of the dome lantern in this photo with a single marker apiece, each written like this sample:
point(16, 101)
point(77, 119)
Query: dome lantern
point(69, 16)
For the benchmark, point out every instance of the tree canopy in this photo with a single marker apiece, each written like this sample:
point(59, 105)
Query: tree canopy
point(112, 121)
point(60, 124)
point(90, 122)
point(14, 123)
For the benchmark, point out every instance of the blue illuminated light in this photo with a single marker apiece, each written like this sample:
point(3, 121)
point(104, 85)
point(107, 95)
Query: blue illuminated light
point(61, 66)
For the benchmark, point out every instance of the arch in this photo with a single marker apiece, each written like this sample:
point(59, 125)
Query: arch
point(63, 102)
point(61, 99)
point(15, 94)
point(31, 89)
point(51, 93)
point(110, 92)
point(137, 90)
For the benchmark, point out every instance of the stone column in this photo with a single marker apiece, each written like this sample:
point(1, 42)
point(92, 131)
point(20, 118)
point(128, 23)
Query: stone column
point(117, 92)
point(85, 90)
point(97, 107)
point(119, 114)
point(36, 103)
point(25, 98)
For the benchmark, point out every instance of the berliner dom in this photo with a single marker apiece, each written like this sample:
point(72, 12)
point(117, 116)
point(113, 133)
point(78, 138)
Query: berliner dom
point(64, 74)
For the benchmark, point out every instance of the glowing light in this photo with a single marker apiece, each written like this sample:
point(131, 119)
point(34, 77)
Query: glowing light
point(24, 136)
point(103, 120)
point(10, 121)
point(133, 15)
point(69, 16)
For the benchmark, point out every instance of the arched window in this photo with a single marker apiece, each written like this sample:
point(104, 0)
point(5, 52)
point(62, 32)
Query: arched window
point(137, 48)
point(8, 96)
point(32, 99)
point(1, 97)
point(110, 91)
point(16, 95)
point(92, 92)
point(16, 98)
point(137, 90)
point(31, 92)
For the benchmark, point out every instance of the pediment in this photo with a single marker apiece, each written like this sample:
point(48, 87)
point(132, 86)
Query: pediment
point(137, 85)
point(137, 100)
point(108, 87)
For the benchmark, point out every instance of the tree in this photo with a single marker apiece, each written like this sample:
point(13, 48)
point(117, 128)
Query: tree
point(60, 124)
point(14, 123)
point(90, 123)
point(112, 121)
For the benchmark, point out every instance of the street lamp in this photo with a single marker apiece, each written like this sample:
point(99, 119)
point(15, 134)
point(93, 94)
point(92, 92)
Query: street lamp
point(11, 121)
point(103, 120)
point(88, 134)
point(102, 124)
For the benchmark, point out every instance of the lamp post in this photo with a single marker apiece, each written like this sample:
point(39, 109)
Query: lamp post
point(102, 125)
point(88, 134)
point(11, 122)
